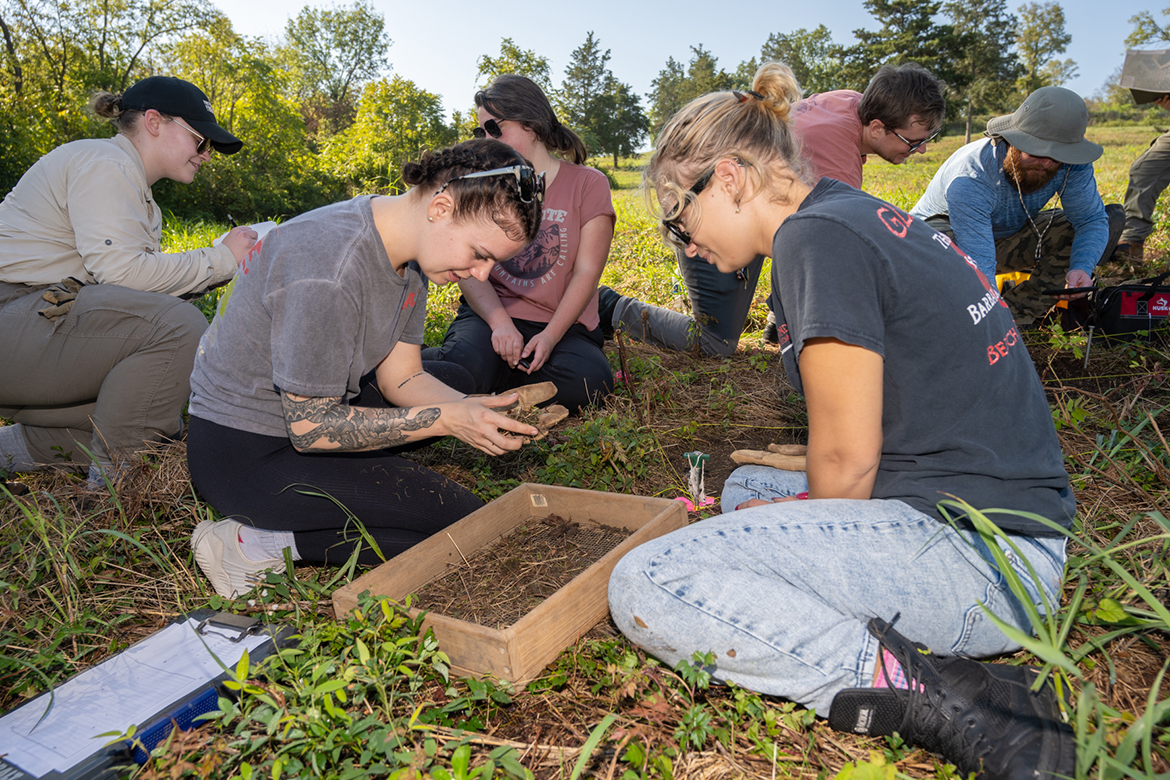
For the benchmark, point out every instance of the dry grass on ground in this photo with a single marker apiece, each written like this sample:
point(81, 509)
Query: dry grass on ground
point(687, 403)
point(83, 575)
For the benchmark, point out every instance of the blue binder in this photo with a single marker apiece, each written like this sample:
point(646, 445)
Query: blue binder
point(189, 702)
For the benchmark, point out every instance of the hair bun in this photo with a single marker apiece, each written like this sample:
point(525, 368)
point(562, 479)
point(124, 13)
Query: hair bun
point(777, 87)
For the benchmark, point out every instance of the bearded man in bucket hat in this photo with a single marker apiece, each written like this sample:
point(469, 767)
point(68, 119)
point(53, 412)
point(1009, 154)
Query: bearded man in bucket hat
point(96, 339)
point(989, 198)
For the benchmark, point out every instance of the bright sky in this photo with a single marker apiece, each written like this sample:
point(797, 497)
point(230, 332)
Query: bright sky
point(436, 44)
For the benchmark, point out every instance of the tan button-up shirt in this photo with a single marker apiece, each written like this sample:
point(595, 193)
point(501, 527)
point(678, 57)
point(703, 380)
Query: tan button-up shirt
point(85, 210)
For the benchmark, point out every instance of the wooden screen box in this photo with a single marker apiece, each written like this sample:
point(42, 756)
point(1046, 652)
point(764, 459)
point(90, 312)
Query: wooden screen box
point(519, 652)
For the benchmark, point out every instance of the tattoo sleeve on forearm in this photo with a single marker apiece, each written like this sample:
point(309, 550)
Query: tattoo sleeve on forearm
point(342, 428)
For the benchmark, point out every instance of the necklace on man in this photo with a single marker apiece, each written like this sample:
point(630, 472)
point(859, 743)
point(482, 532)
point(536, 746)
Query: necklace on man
point(1051, 217)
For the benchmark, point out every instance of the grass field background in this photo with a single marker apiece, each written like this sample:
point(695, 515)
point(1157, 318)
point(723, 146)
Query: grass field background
point(83, 576)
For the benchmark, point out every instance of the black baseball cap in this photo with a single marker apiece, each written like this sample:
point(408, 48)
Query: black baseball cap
point(176, 97)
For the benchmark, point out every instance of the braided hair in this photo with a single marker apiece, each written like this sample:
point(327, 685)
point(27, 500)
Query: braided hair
point(520, 99)
point(495, 196)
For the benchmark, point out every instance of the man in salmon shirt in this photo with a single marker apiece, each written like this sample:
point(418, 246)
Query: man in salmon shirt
point(902, 108)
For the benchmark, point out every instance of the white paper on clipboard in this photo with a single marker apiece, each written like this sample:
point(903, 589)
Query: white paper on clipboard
point(121, 691)
point(261, 229)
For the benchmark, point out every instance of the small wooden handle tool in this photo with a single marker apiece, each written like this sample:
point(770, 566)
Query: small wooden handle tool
point(530, 395)
point(789, 449)
point(773, 459)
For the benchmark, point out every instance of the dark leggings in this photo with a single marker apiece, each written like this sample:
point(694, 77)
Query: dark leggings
point(262, 481)
point(577, 365)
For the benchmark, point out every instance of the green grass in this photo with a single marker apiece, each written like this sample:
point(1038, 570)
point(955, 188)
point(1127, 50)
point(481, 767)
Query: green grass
point(82, 577)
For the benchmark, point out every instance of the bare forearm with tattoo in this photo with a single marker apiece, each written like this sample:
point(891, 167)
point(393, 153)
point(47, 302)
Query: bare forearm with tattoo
point(327, 425)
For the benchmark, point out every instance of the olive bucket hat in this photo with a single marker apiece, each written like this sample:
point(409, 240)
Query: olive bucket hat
point(176, 97)
point(1051, 123)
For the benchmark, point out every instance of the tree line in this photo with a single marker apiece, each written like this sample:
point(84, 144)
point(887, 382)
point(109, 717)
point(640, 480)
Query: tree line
point(323, 117)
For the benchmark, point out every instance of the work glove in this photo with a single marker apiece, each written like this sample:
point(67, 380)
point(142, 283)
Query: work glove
point(525, 410)
point(61, 295)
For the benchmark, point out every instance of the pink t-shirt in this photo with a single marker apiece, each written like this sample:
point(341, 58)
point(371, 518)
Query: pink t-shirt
point(831, 134)
point(531, 284)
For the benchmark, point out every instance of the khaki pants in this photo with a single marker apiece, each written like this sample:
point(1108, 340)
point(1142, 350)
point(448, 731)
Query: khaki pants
point(112, 373)
point(1148, 177)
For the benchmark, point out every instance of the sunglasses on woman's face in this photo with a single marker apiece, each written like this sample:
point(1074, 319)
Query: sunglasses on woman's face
point(490, 127)
point(204, 141)
point(674, 225)
point(530, 184)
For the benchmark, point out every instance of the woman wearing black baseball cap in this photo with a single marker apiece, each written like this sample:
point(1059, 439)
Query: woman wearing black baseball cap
point(98, 344)
point(174, 97)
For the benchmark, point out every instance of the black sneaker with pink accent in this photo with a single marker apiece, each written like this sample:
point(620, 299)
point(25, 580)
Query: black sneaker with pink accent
point(980, 717)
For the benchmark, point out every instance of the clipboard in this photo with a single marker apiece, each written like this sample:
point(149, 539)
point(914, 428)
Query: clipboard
point(168, 676)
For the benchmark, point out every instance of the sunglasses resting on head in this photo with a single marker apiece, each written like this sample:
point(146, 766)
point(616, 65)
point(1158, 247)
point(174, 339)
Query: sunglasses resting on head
point(529, 183)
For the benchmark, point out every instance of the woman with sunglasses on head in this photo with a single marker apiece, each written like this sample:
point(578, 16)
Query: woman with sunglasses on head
point(535, 318)
point(918, 387)
point(98, 345)
point(311, 376)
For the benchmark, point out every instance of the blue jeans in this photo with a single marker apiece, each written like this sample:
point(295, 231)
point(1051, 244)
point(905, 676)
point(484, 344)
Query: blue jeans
point(577, 365)
point(782, 594)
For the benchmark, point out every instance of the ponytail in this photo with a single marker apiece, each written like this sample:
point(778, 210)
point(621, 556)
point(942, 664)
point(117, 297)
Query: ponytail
point(108, 105)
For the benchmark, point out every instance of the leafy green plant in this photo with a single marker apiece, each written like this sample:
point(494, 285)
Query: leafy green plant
point(695, 726)
point(606, 453)
point(342, 703)
point(1071, 414)
point(1074, 342)
point(442, 304)
point(1131, 606)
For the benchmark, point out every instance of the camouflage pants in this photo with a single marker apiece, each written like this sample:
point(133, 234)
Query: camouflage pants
point(1017, 252)
point(1148, 177)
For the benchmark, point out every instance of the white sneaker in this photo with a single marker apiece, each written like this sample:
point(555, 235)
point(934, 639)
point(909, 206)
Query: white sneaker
point(217, 551)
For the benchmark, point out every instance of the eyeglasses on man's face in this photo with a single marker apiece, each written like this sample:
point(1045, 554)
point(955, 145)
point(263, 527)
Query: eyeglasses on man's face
point(529, 184)
point(490, 127)
point(674, 225)
point(204, 141)
point(916, 145)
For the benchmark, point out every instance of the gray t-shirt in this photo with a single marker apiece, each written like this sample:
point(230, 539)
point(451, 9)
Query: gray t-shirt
point(963, 410)
point(313, 311)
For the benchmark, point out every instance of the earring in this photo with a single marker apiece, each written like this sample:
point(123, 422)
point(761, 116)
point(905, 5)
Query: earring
point(430, 219)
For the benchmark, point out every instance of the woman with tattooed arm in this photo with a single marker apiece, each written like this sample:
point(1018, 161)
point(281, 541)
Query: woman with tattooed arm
point(312, 374)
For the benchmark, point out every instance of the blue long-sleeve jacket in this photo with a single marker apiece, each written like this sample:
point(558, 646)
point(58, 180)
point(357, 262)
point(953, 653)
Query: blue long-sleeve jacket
point(984, 205)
